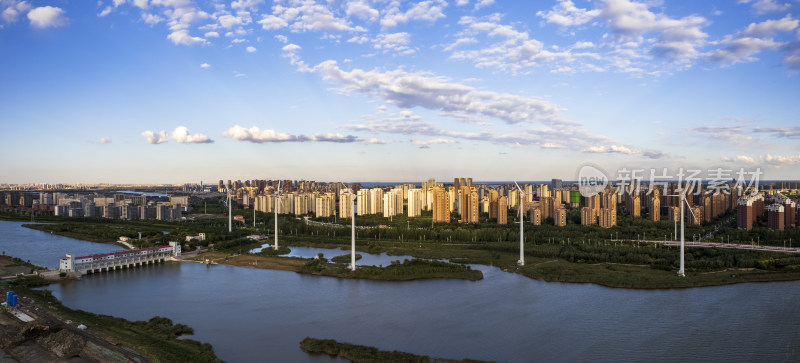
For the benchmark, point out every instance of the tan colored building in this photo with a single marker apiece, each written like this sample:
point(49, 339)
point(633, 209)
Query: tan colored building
point(441, 205)
point(587, 216)
point(502, 210)
point(560, 218)
point(535, 216)
point(608, 217)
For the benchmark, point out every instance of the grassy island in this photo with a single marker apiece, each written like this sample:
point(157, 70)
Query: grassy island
point(397, 271)
point(345, 258)
point(361, 353)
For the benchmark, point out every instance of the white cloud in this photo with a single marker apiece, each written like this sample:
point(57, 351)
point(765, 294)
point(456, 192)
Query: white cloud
point(770, 27)
point(767, 6)
point(512, 51)
point(676, 39)
point(407, 90)
point(565, 13)
point(782, 160)
point(13, 10)
point(422, 11)
point(251, 49)
point(462, 2)
point(256, 135)
point(246, 4)
point(583, 45)
point(787, 132)
point(155, 138)
point(610, 149)
point(741, 49)
point(228, 21)
point(361, 9)
point(212, 35)
point(744, 45)
point(151, 19)
point(181, 135)
point(47, 16)
point(407, 123)
point(395, 42)
point(792, 54)
point(205, 66)
point(432, 142)
point(358, 39)
point(105, 140)
point(182, 37)
point(483, 3)
point(305, 15)
point(373, 141)
point(282, 38)
point(733, 134)
point(739, 158)
point(105, 12)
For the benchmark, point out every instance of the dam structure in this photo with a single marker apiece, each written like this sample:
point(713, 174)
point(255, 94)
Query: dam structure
point(118, 260)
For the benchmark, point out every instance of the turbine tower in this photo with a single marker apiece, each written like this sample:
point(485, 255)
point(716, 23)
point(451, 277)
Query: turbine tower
point(682, 195)
point(230, 219)
point(521, 261)
point(353, 229)
point(277, 193)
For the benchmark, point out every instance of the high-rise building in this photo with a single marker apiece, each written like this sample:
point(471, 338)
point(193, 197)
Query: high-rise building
point(547, 206)
point(587, 216)
point(697, 216)
point(441, 205)
point(557, 183)
point(469, 205)
point(414, 202)
point(493, 204)
point(634, 206)
point(744, 214)
point(654, 210)
point(345, 210)
point(560, 218)
point(502, 210)
point(535, 216)
point(608, 217)
point(543, 191)
point(775, 217)
point(325, 205)
point(674, 214)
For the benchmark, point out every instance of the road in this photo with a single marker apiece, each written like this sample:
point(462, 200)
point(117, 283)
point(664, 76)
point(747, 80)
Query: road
point(727, 245)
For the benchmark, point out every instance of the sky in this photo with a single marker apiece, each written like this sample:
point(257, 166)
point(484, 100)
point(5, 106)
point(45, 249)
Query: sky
point(184, 91)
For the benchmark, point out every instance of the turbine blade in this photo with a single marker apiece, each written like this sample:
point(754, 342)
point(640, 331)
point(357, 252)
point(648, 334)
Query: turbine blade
point(689, 208)
point(515, 183)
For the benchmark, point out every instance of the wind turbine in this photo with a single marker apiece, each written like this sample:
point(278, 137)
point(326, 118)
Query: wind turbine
point(277, 193)
point(353, 229)
point(521, 261)
point(682, 195)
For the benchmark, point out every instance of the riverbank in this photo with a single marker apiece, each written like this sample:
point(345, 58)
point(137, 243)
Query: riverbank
point(56, 332)
point(361, 353)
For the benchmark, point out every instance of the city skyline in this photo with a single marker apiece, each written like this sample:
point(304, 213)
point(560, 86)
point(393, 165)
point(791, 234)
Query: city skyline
point(177, 91)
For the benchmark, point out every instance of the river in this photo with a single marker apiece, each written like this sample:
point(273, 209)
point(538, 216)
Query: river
point(253, 315)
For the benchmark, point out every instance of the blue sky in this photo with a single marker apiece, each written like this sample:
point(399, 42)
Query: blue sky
point(173, 91)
